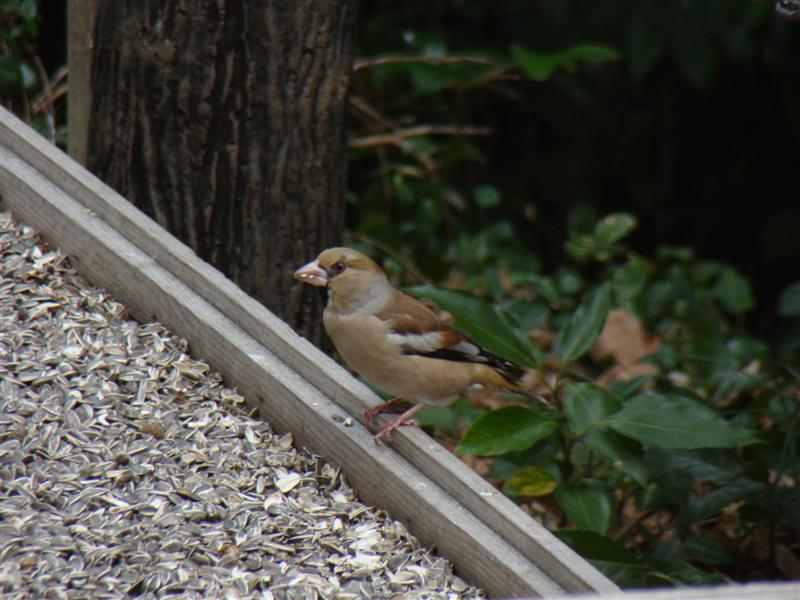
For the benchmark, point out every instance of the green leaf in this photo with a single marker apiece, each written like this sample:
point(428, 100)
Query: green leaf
point(677, 573)
point(584, 326)
point(785, 503)
point(706, 551)
point(595, 546)
point(789, 301)
point(612, 228)
point(536, 66)
point(612, 558)
point(710, 504)
point(714, 465)
point(545, 287)
point(482, 321)
point(672, 421)
point(10, 75)
point(486, 196)
point(505, 429)
point(586, 508)
point(29, 77)
point(670, 485)
point(629, 280)
point(529, 314)
point(734, 292)
point(27, 9)
point(601, 243)
point(585, 403)
point(628, 387)
point(540, 66)
point(529, 481)
point(645, 39)
point(466, 412)
point(692, 45)
point(591, 53)
point(569, 281)
point(624, 454)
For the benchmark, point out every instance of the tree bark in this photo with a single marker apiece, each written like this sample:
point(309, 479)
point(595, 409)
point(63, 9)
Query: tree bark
point(225, 121)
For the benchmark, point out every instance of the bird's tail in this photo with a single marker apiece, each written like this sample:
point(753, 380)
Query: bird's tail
point(501, 375)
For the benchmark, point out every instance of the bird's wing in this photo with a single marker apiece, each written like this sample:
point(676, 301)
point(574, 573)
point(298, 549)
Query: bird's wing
point(419, 331)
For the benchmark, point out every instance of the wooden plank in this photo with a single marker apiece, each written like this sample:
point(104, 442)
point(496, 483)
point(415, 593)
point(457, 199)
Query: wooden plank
point(750, 591)
point(522, 532)
point(286, 399)
point(80, 38)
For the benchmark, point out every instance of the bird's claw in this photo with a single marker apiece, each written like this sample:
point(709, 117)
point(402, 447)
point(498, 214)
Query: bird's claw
point(386, 432)
point(404, 419)
point(388, 406)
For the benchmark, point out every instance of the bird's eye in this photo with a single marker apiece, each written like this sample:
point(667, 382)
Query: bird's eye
point(338, 267)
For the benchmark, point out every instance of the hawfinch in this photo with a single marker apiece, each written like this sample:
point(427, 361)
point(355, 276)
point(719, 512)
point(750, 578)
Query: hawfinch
point(396, 342)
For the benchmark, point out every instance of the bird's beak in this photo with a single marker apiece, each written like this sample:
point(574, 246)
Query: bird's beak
point(312, 273)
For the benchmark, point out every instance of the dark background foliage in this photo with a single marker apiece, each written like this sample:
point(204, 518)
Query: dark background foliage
point(694, 129)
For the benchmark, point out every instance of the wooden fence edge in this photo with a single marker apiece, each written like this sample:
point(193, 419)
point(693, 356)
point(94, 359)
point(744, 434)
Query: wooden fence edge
point(747, 591)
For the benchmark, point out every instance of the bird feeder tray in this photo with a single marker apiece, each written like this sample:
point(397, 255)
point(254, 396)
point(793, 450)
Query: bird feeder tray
point(295, 386)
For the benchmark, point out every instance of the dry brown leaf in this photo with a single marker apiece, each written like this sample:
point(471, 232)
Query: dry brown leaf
point(787, 561)
point(504, 276)
point(625, 340)
point(542, 337)
point(759, 547)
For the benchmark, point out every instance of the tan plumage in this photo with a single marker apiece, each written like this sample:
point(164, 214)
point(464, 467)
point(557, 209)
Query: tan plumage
point(396, 342)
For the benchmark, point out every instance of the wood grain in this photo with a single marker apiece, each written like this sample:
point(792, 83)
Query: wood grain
point(80, 38)
point(750, 591)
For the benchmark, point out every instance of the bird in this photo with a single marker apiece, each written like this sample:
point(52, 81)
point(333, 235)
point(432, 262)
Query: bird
point(398, 343)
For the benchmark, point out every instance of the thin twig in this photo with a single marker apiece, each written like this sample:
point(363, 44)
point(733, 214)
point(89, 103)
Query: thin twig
point(370, 111)
point(398, 136)
point(59, 92)
point(388, 59)
point(47, 104)
point(635, 520)
point(501, 74)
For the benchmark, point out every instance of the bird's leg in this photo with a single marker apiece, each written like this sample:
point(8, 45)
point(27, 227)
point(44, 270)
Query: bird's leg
point(404, 419)
point(388, 406)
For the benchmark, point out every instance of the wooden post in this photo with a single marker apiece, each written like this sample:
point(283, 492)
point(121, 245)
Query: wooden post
point(80, 39)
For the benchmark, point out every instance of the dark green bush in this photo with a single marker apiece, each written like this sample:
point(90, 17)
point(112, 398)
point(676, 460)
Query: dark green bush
point(670, 476)
point(26, 87)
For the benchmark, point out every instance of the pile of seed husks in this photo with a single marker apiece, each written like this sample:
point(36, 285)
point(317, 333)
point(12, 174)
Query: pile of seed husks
point(128, 469)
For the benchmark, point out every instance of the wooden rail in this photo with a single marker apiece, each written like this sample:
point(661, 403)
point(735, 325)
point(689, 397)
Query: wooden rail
point(750, 591)
point(294, 385)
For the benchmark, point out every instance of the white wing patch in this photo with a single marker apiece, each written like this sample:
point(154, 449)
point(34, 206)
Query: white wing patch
point(428, 343)
point(469, 349)
point(418, 342)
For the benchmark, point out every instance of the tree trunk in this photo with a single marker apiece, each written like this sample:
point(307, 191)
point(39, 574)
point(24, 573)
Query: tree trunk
point(225, 121)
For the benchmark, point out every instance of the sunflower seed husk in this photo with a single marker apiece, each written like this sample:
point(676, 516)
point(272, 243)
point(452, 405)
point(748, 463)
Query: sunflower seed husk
point(127, 468)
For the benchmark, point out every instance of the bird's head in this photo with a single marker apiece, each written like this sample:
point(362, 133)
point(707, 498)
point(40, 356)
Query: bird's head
point(353, 279)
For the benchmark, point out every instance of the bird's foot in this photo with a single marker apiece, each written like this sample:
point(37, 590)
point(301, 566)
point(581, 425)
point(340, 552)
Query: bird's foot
point(388, 406)
point(404, 419)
